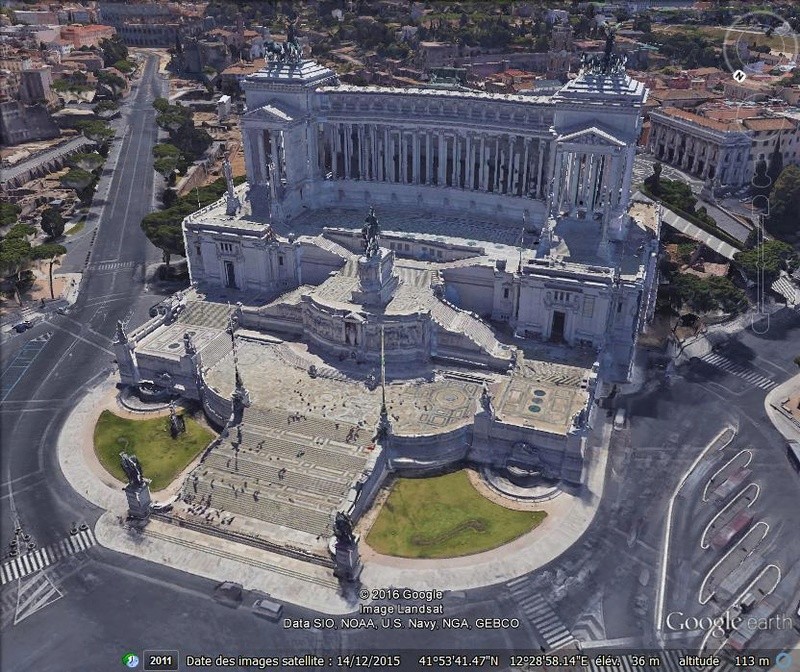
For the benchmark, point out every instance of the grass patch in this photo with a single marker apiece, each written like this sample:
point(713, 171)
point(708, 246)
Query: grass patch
point(77, 228)
point(444, 517)
point(162, 457)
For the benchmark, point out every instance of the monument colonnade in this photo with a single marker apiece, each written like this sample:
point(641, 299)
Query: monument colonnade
point(588, 177)
point(460, 158)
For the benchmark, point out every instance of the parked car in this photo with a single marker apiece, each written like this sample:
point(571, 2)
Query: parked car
point(23, 326)
point(268, 609)
point(619, 419)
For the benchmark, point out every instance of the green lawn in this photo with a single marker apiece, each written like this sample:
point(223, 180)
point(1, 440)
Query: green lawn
point(162, 457)
point(444, 517)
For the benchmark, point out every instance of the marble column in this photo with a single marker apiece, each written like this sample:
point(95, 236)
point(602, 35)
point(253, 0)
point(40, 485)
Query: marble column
point(542, 176)
point(508, 187)
point(415, 138)
point(442, 158)
point(526, 168)
point(386, 152)
point(627, 172)
point(331, 131)
point(522, 169)
point(456, 160)
point(481, 152)
point(273, 146)
point(558, 184)
point(428, 161)
point(260, 157)
point(496, 161)
point(363, 142)
point(469, 165)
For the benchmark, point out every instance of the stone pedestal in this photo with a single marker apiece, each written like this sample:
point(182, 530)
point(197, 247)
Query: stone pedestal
point(139, 504)
point(348, 561)
point(376, 279)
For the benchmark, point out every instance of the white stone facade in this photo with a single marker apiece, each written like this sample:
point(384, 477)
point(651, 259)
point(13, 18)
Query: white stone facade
point(707, 150)
point(560, 165)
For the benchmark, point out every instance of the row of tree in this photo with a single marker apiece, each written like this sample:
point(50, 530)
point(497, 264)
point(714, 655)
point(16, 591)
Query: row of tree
point(163, 228)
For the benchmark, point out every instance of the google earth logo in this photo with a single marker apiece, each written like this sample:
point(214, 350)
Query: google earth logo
point(130, 660)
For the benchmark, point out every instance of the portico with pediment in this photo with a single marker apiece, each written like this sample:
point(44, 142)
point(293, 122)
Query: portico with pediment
point(589, 171)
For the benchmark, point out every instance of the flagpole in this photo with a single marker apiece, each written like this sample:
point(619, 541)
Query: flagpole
point(383, 375)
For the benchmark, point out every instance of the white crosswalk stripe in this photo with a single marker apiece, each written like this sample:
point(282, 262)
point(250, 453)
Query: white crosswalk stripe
point(540, 614)
point(26, 564)
point(743, 372)
point(111, 265)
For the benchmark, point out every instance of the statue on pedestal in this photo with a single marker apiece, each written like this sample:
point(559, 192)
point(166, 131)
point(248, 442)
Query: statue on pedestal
point(133, 469)
point(233, 204)
point(120, 336)
point(188, 344)
point(348, 562)
point(370, 233)
point(343, 528)
point(138, 488)
point(177, 425)
point(486, 401)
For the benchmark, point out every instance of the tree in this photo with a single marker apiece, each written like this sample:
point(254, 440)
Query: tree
point(82, 182)
point(9, 213)
point(642, 23)
point(163, 228)
point(161, 105)
point(114, 50)
point(96, 131)
point(51, 252)
point(47, 251)
point(52, 223)
point(773, 256)
point(112, 82)
point(775, 167)
point(124, 66)
point(20, 230)
point(15, 257)
point(654, 181)
point(106, 109)
point(784, 201)
point(87, 161)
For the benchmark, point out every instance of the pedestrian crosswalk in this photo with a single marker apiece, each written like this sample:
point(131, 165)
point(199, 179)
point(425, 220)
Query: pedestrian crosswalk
point(744, 372)
point(667, 660)
point(538, 611)
point(31, 562)
point(111, 265)
point(33, 594)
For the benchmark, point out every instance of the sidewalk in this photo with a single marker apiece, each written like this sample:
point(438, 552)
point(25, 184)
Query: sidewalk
point(789, 427)
point(302, 583)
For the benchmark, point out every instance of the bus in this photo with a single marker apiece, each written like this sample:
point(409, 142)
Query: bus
point(793, 451)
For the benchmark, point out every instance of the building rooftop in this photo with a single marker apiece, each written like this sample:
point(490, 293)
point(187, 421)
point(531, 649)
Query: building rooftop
point(770, 124)
point(454, 93)
point(733, 125)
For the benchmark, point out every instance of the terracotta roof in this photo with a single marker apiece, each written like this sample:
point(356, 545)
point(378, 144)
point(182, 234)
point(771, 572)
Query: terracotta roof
point(699, 72)
point(244, 68)
point(701, 121)
point(682, 94)
point(769, 124)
